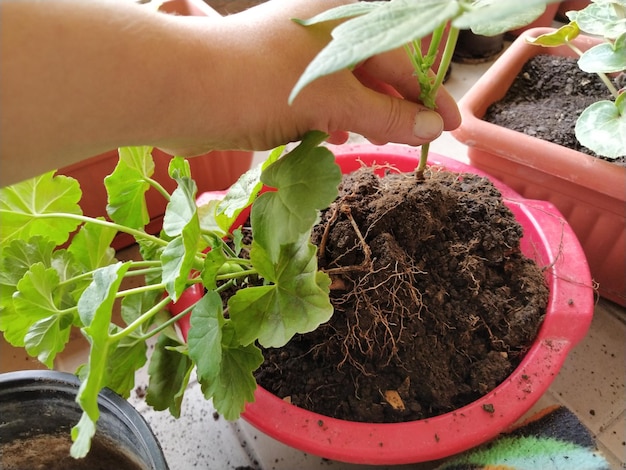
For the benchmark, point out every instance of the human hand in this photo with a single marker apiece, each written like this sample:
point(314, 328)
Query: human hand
point(263, 53)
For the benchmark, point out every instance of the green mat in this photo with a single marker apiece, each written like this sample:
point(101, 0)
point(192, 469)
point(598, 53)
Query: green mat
point(552, 439)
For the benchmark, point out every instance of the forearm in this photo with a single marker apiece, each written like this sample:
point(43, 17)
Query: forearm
point(88, 77)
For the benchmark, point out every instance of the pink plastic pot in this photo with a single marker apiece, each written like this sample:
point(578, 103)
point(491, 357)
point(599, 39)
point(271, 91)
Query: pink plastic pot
point(550, 241)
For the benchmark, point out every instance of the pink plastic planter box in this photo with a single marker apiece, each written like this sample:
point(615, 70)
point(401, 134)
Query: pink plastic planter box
point(550, 241)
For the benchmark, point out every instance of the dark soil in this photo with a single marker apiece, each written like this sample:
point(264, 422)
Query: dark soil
point(52, 452)
point(546, 99)
point(434, 303)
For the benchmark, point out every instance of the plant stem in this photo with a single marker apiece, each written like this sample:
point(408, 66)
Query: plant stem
point(137, 234)
point(156, 185)
point(444, 65)
point(140, 321)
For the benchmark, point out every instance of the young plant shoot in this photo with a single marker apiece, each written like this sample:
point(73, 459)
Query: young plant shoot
point(371, 28)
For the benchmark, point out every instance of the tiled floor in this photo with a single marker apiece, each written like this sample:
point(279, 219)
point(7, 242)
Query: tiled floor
point(592, 383)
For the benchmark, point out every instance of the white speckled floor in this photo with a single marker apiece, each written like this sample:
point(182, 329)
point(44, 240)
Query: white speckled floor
point(591, 383)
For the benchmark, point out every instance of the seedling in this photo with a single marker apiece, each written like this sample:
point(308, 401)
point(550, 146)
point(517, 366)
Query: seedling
point(372, 28)
point(601, 127)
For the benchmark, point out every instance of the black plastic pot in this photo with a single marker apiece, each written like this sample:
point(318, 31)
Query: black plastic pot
point(38, 410)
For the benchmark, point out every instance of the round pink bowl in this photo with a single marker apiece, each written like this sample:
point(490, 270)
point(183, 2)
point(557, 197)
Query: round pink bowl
point(549, 240)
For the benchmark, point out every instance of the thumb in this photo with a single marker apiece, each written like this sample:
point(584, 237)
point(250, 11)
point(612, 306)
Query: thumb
point(382, 118)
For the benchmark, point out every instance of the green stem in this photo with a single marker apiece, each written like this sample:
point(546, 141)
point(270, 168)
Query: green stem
point(139, 290)
point(140, 321)
point(156, 185)
point(446, 60)
point(137, 234)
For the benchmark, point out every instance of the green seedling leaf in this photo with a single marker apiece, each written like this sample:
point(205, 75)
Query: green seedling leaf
point(341, 12)
point(505, 14)
point(388, 26)
point(602, 128)
point(602, 19)
point(91, 246)
point(605, 57)
point(493, 17)
point(297, 302)
point(40, 206)
point(127, 186)
point(561, 36)
point(169, 372)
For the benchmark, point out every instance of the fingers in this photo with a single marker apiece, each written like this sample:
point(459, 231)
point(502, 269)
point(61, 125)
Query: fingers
point(394, 69)
point(382, 118)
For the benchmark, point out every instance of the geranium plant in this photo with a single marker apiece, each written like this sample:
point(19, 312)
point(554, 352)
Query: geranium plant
point(601, 127)
point(49, 289)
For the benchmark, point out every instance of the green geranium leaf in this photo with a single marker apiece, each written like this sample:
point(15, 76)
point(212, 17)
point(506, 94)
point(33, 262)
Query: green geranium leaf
point(235, 385)
point(205, 336)
point(82, 434)
point(605, 57)
point(129, 355)
point(95, 308)
point(33, 301)
point(181, 221)
point(297, 302)
point(169, 372)
point(341, 12)
point(91, 246)
point(386, 26)
point(135, 305)
point(179, 168)
point(240, 195)
point(17, 258)
point(182, 209)
point(214, 260)
point(48, 337)
point(306, 181)
point(40, 206)
point(602, 128)
point(127, 186)
point(557, 38)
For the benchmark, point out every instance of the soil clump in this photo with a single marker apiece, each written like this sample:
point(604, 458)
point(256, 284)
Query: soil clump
point(435, 304)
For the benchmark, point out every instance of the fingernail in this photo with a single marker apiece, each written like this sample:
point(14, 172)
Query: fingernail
point(428, 125)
